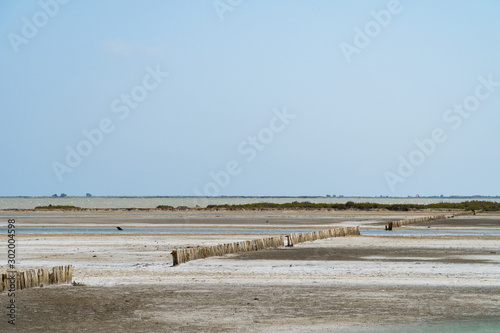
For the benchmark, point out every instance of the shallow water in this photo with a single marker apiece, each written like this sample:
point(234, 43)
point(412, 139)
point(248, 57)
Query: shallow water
point(244, 231)
point(153, 202)
point(487, 325)
point(153, 230)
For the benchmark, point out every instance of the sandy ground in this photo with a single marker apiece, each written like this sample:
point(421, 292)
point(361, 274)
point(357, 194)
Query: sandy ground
point(351, 284)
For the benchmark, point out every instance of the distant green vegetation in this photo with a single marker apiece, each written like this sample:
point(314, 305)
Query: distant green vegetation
point(350, 205)
point(50, 207)
point(165, 207)
point(468, 205)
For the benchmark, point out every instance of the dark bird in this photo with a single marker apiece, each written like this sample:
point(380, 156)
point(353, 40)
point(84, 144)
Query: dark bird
point(119, 228)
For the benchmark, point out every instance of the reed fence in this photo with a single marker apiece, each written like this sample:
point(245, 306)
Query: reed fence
point(180, 256)
point(36, 277)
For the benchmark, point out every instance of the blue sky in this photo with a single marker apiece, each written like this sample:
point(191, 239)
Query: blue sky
point(265, 97)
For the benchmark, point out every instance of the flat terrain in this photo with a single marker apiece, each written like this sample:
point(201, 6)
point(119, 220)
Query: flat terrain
point(346, 284)
point(202, 307)
point(202, 217)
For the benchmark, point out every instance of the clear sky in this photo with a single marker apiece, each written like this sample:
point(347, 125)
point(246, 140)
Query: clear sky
point(250, 97)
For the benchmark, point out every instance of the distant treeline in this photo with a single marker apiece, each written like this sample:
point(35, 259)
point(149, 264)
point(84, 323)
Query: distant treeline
point(306, 205)
point(467, 205)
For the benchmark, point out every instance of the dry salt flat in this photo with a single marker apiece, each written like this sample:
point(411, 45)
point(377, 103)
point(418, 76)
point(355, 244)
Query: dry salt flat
point(344, 284)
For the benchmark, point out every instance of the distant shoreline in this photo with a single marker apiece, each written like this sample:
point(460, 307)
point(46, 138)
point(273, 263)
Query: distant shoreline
point(471, 206)
point(247, 203)
point(252, 197)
